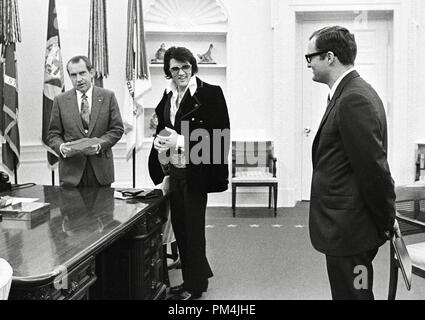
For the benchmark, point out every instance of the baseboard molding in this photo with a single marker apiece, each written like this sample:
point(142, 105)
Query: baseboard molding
point(249, 198)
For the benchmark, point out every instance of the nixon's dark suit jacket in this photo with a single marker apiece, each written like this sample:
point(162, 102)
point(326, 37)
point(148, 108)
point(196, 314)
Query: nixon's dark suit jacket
point(352, 192)
point(66, 126)
point(207, 110)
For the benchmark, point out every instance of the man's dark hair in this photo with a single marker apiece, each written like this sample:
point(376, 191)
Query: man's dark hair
point(180, 54)
point(338, 40)
point(77, 59)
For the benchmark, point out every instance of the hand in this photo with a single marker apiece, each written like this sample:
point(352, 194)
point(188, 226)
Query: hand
point(166, 185)
point(396, 229)
point(92, 150)
point(394, 232)
point(66, 151)
point(169, 141)
point(159, 145)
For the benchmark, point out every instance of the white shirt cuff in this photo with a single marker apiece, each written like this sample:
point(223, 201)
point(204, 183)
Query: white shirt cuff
point(180, 142)
point(60, 149)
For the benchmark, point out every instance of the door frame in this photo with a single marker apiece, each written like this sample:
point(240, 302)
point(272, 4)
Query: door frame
point(385, 16)
point(287, 113)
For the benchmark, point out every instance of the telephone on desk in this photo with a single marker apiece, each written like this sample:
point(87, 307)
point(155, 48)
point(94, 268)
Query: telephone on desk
point(5, 185)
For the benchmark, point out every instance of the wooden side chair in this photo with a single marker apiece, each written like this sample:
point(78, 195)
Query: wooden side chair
point(254, 165)
point(410, 216)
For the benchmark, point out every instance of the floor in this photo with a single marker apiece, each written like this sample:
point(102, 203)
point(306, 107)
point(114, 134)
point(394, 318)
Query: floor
point(258, 257)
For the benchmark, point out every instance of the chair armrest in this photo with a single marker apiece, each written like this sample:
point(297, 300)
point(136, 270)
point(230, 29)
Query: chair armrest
point(410, 226)
point(410, 220)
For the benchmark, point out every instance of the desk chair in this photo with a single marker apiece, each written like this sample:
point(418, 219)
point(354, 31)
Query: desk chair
point(6, 273)
point(254, 165)
point(410, 223)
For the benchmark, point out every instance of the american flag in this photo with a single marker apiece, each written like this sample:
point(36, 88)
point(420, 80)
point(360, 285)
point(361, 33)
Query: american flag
point(53, 77)
point(9, 114)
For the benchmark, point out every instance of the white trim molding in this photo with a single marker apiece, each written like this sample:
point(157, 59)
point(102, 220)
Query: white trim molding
point(287, 113)
point(184, 15)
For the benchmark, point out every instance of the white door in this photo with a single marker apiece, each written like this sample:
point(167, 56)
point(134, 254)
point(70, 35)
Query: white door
point(373, 34)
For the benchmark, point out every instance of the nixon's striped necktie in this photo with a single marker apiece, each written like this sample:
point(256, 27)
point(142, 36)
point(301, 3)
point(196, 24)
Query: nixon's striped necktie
point(85, 112)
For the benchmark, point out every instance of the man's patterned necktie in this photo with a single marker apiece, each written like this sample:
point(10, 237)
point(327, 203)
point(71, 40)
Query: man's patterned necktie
point(85, 112)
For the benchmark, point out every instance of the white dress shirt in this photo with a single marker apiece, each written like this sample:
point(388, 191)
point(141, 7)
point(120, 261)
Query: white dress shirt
point(175, 105)
point(338, 81)
point(89, 95)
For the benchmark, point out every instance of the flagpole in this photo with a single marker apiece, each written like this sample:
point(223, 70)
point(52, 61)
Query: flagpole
point(134, 168)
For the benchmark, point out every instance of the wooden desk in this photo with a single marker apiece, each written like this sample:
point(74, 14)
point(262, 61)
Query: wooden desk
point(65, 254)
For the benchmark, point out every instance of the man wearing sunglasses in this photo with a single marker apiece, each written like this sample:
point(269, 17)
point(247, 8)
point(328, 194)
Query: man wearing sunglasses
point(188, 115)
point(352, 207)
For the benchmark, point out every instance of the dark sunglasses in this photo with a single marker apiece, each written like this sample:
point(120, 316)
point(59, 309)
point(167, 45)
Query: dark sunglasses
point(186, 69)
point(311, 55)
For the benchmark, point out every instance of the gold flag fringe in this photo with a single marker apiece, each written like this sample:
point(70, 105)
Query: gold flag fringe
point(98, 39)
point(10, 28)
point(136, 49)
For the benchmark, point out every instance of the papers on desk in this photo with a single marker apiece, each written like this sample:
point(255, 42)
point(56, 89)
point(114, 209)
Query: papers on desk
point(10, 201)
point(133, 193)
point(118, 195)
point(130, 193)
point(23, 200)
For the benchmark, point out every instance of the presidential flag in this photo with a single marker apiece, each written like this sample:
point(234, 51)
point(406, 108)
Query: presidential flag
point(137, 78)
point(9, 114)
point(10, 33)
point(53, 77)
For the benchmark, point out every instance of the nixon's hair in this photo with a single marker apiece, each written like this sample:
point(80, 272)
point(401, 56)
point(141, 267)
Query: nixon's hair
point(77, 59)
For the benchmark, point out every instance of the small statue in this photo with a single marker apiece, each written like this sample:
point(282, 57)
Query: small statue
point(159, 55)
point(206, 57)
point(153, 124)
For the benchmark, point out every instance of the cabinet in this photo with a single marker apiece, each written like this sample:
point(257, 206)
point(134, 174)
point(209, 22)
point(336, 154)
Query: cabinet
point(73, 286)
point(132, 267)
point(195, 27)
